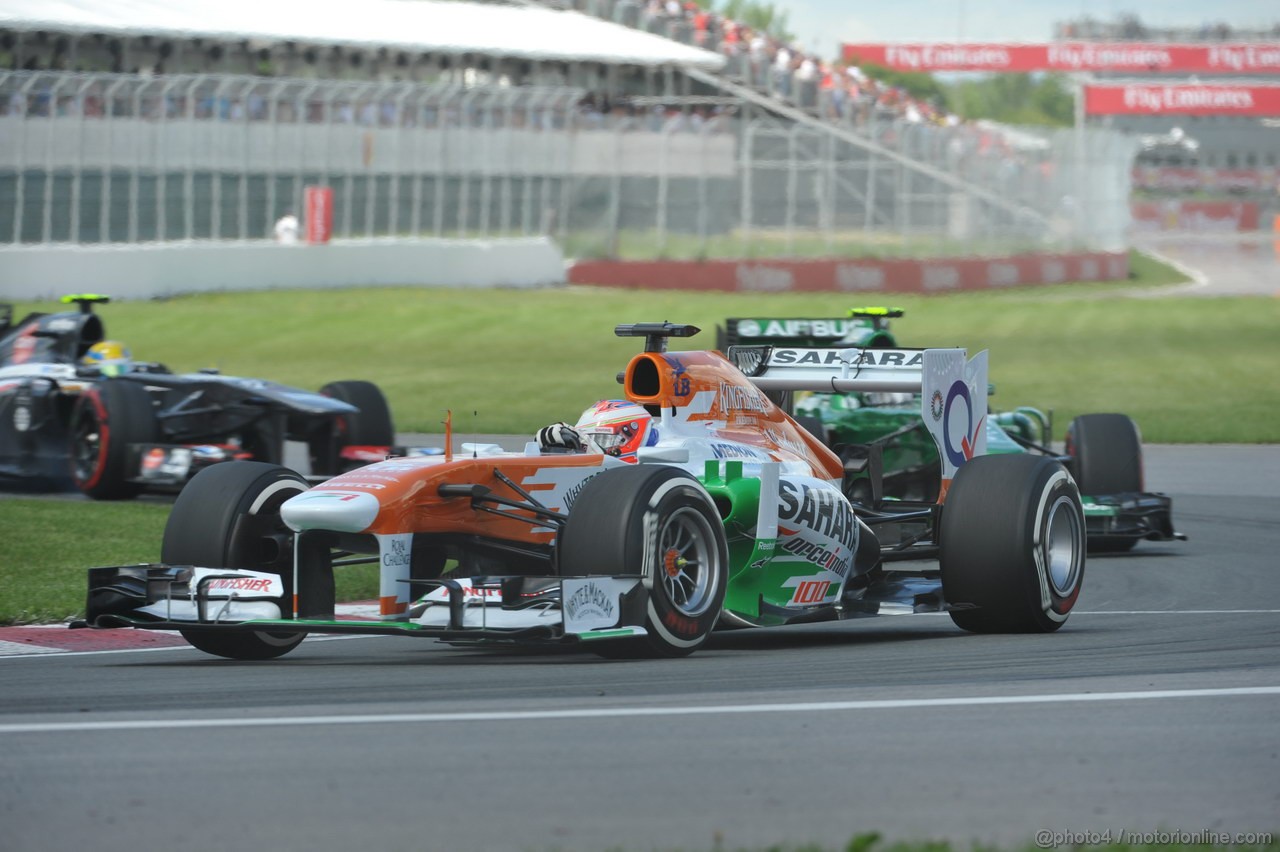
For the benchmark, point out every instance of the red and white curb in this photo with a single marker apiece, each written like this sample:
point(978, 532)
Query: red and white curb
point(51, 639)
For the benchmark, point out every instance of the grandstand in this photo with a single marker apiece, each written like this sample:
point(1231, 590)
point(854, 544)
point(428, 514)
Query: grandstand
point(618, 130)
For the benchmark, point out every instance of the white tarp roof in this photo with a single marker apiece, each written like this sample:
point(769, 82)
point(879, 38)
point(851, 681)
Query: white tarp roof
point(427, 26)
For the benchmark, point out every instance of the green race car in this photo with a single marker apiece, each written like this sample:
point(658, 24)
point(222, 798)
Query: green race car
point(882, 436)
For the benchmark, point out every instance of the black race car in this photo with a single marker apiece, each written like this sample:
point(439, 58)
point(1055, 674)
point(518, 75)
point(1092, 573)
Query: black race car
point(113, 434)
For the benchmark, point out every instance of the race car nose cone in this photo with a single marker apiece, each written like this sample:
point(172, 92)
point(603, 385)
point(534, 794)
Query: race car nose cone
point(330, 510)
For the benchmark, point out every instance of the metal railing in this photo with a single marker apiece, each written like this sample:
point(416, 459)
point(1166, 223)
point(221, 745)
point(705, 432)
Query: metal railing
point(105, 158)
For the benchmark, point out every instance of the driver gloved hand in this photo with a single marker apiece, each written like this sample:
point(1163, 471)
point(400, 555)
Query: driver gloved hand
point(560, 437)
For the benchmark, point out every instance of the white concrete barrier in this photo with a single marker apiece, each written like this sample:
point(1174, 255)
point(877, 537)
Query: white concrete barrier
point(145, 271)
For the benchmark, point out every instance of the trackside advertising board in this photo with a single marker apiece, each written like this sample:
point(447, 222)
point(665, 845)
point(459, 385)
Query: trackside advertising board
point(1129, 57)
point(319, 206)
point(1182, 99)
point(1175, 214)
point(861, 275)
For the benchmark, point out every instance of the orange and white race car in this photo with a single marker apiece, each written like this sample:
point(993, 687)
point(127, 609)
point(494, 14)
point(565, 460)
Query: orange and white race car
point(693, 502)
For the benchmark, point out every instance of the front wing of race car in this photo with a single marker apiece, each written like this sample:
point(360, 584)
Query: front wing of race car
point(171, 466)
point(526, 610)
point(1129, 517)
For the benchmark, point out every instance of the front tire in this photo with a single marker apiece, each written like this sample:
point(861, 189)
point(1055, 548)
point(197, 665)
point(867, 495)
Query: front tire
point(1013, 545)
point(105, 420)
point(660, 523)
point(1106, 458)
point(228, 516)
point(1106, 454)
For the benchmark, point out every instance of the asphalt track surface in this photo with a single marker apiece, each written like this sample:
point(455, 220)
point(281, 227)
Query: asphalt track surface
point(1218, 264)
point(1154, 709)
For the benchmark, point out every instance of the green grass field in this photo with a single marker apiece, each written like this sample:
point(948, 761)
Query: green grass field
point(510, 361)
point(1187, 369)
point(50, 543)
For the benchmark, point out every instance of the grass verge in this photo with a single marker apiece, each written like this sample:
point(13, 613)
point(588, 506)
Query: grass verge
point(49, 545)
point(1187, 369)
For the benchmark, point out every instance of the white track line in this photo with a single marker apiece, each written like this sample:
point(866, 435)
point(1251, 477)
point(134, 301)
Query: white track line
point(1179, 612)
point(22, 649)
point(1199, 280)
point(623, 712)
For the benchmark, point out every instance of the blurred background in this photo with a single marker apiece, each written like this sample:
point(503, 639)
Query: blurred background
point(633, 129)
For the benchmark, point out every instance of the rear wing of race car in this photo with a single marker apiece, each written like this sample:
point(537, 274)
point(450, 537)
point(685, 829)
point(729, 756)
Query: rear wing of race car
point(860, 327)
point(952, 388)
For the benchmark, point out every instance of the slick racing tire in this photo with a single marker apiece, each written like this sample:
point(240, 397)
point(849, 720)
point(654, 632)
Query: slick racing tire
point(106, 419)
point(659, 523)
point(1106, 454)
point(228, 516)
point(371, 426)
point(1106, 458)
point(1012, 545)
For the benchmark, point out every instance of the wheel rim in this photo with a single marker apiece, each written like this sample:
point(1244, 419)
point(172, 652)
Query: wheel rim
point(688, 561)
point(1062, 546)
point(87, 447)
point(267, 545)
point(279, 640)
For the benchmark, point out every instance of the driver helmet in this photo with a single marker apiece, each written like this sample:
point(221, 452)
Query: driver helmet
point(618, 427)
point(110, 357)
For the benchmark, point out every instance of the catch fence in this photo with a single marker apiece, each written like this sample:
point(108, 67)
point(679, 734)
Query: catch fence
point(108, 158)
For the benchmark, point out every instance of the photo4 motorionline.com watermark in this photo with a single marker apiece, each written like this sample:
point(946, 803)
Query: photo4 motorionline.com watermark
point(1047, 839)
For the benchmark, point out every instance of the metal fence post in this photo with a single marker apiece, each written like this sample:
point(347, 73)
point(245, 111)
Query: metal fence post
point(398, 128)
point(189, 175)
point(534, 102)
point(245, 100)
point(746, 168)
point(270, 202)
point(704, 134)
point(566, 180)
point(792, 177)
point(20, 96)
point(442, 149)
point(135, 168)
point(413, 119)
point(505, 199)
point(46, 220)
point(485, 122)
point(324, 123)
point(464, 194)
point(109, 111)
point(664, 177)
point(78, 172)
point(162, 162)
point(348, 177)
point(215, 201)
point(826, 186)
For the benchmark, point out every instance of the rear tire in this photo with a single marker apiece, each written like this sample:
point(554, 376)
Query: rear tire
point(813, 425)
point(1012, 544)
point(660, 523)
point(1106, 458)
point(371, 426)
point(228, 516)
point(106, 419)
